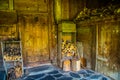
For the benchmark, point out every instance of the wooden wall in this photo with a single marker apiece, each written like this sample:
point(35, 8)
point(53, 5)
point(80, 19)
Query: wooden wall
point(34, 25)
point(32, 5)
point(8, 31)
point(4, 4)
point(101, 44)
point(108, 49)
point(34, 35)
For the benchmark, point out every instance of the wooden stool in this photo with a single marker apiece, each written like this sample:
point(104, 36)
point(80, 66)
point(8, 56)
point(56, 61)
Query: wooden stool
point(76, 65)
point(66, 65)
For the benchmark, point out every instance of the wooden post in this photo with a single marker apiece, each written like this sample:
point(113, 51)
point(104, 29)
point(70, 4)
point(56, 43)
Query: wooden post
point(93, 54)
point(10, 4)
point(96, 46)
point(59, 46)
point(57, 10)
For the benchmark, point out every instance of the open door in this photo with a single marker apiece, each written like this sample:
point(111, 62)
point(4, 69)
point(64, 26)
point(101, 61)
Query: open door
point(86, 35)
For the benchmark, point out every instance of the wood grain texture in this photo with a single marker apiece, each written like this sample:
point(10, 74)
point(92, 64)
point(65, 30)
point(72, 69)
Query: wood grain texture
point(34, 34)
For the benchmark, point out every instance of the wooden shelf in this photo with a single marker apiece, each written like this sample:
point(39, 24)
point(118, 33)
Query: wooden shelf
point(14, 60)
point(102, 59)
point(12, 48)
